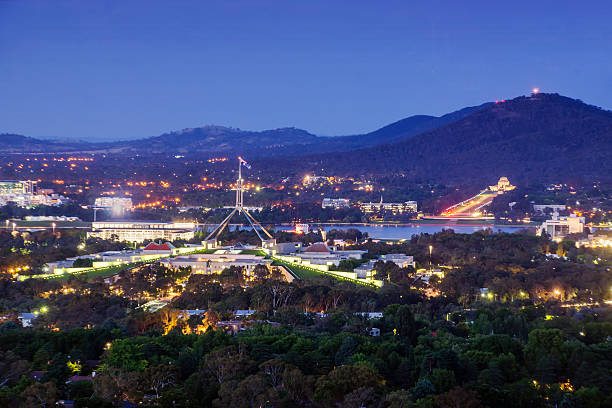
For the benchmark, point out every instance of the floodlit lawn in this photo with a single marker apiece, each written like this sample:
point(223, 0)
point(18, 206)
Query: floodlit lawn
point(307, 273)
point(96, 273)
point(299, 271)
point(202, 251)
point(253, 252)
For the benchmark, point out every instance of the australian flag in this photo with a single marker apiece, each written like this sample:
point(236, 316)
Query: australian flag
point(244, 163)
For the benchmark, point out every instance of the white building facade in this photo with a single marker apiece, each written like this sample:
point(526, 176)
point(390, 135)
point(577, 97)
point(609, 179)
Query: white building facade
point(140, 231)
point(558, 227)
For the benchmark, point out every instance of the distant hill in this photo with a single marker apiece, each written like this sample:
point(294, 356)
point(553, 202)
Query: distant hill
point(537, 138)
point(226, 140)
point(406, 128)
point(220, 139)
point(12, 143)
point(546, 137)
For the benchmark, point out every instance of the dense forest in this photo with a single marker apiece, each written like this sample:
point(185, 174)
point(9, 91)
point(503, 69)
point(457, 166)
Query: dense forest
point(540, 339)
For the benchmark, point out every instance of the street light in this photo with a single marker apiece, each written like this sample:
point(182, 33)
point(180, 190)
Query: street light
point(53, 225)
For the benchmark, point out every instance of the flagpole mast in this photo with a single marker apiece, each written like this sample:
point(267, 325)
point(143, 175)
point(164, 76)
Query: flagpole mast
point(239, 209)
point(239, 186)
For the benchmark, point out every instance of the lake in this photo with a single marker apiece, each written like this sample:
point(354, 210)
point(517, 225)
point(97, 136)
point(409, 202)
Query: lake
point(406, 231)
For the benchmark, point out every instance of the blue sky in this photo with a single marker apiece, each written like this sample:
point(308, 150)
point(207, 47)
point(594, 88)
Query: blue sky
point(102, 70)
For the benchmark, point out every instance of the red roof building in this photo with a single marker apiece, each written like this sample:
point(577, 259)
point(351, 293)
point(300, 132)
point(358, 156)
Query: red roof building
point(152, 246)
point(318, 247)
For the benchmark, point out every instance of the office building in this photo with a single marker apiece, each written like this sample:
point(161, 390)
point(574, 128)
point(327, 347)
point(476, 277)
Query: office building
point(140, 231)
point(542, 208)
point(394, 208)
point(215, 263)
point(336, 203)
point(558, 227)
point(17, 187)
point(117, 205)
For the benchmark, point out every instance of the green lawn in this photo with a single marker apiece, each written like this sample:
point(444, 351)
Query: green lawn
point(299, 271)
point(253, 252)
point(96, 273)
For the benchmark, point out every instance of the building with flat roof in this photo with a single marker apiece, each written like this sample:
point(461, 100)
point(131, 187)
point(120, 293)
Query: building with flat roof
point(558, 227)
point(140, 231)
point(116, 205)
point(17, 187)
point(26, 194)
point(335, 203)
point(215, 263)
point(395, 208)
point(321, 257)
point(541, 208)
point(368, 269)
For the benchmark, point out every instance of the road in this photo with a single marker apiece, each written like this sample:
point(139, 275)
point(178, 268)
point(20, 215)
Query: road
point(471, 207)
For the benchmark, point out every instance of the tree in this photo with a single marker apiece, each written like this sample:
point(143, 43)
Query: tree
point(117, 385)
point(11, 368)
point(39, 395)
point(342, 380)
point(211, 318)
point(225, 364)
point(261, 273)
point(169, 319)
point(299, 387)
point(58, 370)
point(423, 388)
point(83, 263)
point(362, 397)
point(406, 326)
point(159, 377)
point(399, 399)
point(252, 392)
point(274, 369)
point(458, 398)
point(443, 380)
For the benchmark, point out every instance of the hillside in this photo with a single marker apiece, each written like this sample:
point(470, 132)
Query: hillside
point(12, 143)
point(543, 137)
point(226, 140)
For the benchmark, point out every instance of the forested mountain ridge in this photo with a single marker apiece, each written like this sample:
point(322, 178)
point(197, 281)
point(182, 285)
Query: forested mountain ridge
point(214, 140)
point(541, 137)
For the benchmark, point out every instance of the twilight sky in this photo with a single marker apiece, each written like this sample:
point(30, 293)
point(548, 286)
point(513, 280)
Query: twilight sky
point(102, 70)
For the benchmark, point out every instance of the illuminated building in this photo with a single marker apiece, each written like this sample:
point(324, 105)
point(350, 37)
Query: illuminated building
point(368, 270)
point(319, 256)
point(150, 252)
point(302, 228)
point(51, 218)
point(215, 263)
point(139, 231)
point(117, 205)
point(395, 208)
point(541, 208)
point(595, 242)
point(558, 227)
point(17, 187)
point(26, 194)
point(335, 203)
point(503, 185)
